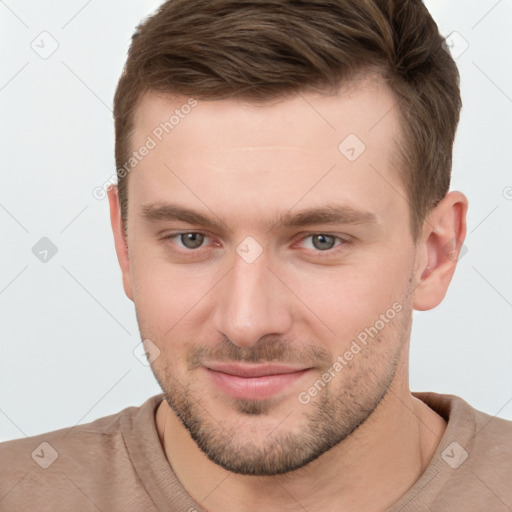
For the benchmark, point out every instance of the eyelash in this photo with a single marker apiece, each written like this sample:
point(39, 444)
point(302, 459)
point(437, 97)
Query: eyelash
point(344, 242)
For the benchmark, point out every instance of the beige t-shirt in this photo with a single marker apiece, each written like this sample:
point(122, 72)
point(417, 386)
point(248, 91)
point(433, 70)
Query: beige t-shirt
point(117, 463)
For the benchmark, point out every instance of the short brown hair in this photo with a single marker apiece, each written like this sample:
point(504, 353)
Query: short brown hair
point(260, 50)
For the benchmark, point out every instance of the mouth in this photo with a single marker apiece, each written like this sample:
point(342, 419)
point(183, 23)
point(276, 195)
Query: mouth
point(253, 382)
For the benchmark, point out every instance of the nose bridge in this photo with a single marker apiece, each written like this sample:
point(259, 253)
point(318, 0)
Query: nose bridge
point(251, 304)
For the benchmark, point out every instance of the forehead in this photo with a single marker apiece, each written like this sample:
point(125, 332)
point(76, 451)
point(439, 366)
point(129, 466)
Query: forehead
point(364, 106)
point(235, 153)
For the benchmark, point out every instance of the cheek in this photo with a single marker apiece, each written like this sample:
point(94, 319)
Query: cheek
point(170, 299)
point(351, 297)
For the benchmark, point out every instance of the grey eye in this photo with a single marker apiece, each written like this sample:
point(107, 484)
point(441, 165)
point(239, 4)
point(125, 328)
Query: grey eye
point(323, 242)
point(192, 240)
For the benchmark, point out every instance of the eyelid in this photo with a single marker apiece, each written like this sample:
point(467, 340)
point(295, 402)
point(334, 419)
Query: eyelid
point(177, 234)
point(345, 240)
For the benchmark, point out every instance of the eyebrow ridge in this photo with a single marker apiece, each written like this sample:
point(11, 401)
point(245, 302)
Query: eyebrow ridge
point(167, 211)
point(327, 214)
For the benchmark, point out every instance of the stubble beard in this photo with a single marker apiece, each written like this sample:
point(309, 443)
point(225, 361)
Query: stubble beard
point(337, 411)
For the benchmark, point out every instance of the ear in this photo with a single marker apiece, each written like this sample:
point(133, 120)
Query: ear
point(120, 240)
point(437, 253)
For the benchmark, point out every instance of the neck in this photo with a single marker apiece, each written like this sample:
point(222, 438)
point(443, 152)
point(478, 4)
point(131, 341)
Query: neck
point(370, 470)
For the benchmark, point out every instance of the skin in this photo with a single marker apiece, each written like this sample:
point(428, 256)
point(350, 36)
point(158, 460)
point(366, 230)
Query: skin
point(361, 441)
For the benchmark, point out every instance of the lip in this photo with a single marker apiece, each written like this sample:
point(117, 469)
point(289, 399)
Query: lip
point(253, 382)
point(252, 370)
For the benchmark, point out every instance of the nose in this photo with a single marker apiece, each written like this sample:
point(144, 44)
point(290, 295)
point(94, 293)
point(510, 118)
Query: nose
point(252, 302)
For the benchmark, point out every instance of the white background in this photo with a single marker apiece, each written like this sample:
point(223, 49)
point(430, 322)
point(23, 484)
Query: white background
point(68, 331)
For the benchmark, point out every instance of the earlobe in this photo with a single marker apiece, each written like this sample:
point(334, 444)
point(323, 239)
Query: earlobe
point(443, 237)
point(121, 243)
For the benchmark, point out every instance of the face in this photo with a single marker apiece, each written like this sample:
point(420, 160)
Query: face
point(272, 234)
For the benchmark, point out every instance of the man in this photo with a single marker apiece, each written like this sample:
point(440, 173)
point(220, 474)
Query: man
point(282, 207)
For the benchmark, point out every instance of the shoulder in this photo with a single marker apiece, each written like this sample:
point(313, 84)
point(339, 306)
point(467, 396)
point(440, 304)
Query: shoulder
point(485, 429)
point(486, 464)
point(64, 462)
point(474, 458)
point(480, 432)
point(43, 449)
point(492, 443)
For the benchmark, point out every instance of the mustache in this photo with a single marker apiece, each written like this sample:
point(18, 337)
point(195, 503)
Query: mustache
point(266, 350)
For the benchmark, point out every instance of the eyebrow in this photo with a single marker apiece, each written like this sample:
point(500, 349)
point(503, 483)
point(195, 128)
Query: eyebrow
point(325, 214)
